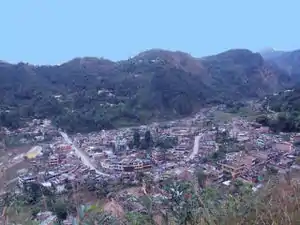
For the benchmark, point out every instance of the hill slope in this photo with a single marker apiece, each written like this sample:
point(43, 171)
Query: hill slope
point(288, 61)
point(88, 94)
point(283, 111)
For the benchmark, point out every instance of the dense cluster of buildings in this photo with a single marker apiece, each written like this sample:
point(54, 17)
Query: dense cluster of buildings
point(174, 149)
point(251, 150)
point(259, 151)
point(226, 151)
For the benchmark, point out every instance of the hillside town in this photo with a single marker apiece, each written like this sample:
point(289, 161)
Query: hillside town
point(226, 151)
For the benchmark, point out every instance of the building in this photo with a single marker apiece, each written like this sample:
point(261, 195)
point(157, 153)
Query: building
point(233, 168)
point(242, 136)
point(263, 130)
point(238, 164)
point(261, 156)
point(180, 132)
point(53, 160)
point(33, 162)
point(126, 165)
point(23, 180)
point(181, 148)
point(213, 174)
point(283, 164)
point(286, 147)
point(64, 147)
point(296, 138)
point(157, 156)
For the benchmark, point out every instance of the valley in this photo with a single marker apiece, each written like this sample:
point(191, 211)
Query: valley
point(90, 94)
point(137, 139)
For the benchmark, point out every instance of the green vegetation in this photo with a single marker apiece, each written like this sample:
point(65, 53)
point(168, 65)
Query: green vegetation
point(191, 203)
point(286, 111)
point(136, 139)
point(287, 61)
point(166, 142)
point(92, 94)
point(144, 143)
point(282, 122)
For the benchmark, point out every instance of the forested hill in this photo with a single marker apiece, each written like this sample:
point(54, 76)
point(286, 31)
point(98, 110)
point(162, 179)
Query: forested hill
point(289, 61)
point(87, 94)
point(285, 106)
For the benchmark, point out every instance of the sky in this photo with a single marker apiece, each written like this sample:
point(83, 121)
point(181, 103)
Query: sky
point(55, 31)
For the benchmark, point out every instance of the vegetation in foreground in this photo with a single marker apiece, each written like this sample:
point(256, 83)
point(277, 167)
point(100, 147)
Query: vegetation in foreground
point(276, 203)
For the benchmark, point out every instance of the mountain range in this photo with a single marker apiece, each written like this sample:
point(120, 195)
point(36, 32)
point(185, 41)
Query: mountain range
point(87, 94)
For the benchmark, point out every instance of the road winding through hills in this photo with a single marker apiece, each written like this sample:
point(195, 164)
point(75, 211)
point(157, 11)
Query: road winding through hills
point(84, 158)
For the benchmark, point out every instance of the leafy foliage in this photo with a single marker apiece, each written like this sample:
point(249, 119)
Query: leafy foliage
point(136, 139)
point(187, 204)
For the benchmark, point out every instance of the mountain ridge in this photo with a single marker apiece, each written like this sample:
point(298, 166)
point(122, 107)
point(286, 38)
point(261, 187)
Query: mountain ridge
point(153, 84)
point(147, 52)
point(288, 61)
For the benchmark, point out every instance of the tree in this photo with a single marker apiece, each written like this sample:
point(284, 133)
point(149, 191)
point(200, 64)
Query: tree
point(272, 171)
point(136, 139)
point(287, 177)
point(68, 184)
point(166, 142)
point(201, 177)
point(60, 211)
point(183, 203)
point(148, 139)
point(147, 202)
point(32, 192)
point(140, 176)
point(297, 161)
point(218, 155)
point(35, 211)
point(130, 145)
point(136, 218)
point(8, 200)
point(93, 214)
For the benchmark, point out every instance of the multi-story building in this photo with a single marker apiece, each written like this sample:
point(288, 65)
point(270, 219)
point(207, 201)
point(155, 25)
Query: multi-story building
point(238, 165)
point(158, 156)
point(233, 168)
point(53, 160)
point(22, 180)
point(126, 165)
point(181, 147)
point(214, 175)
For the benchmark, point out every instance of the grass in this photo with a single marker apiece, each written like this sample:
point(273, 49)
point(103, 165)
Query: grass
point(275, 204)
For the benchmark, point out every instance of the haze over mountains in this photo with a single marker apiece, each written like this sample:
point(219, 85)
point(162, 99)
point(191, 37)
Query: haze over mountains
point(286, 60)
point(87, 94)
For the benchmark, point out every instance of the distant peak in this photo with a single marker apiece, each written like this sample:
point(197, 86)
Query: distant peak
point(88, 61)
point(153, 53)
point(268, 49)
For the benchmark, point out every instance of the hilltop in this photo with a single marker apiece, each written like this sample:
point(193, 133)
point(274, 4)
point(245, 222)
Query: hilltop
point(289, 61)
point(86, 94)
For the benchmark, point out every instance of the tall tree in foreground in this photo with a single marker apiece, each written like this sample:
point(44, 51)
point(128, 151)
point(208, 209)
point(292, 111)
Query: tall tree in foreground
point(136, 139)
point(201, 177)
point(148, 139)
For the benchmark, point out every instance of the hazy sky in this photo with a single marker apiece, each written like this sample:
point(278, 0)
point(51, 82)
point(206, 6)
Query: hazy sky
point(53, 31)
